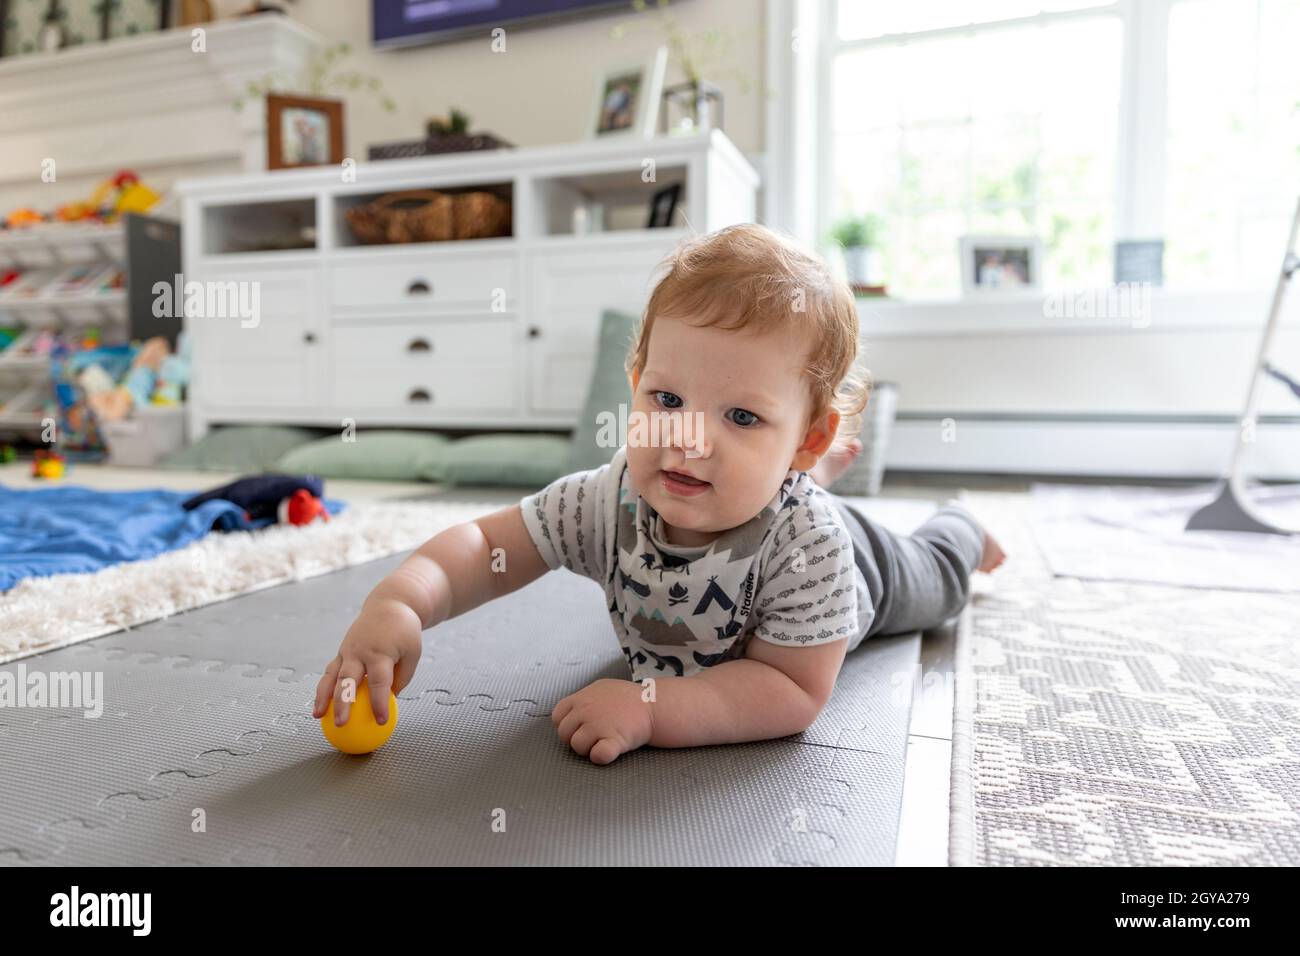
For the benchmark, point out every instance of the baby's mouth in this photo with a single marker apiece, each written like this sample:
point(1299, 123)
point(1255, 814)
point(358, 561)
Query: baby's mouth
point(685, 479)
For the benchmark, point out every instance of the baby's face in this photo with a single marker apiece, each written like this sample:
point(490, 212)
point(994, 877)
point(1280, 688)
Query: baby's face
point(752, 403)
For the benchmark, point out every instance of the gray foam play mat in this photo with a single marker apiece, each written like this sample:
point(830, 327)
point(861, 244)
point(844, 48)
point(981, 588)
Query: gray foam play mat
point(206, 720)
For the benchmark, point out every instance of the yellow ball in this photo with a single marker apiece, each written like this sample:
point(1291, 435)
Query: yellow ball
point(362, 733)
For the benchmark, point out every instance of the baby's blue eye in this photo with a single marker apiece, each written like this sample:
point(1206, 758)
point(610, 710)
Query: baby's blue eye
point(668, 404)
point(744, 424)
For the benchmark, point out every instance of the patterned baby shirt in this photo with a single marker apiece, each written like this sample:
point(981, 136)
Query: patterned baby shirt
point(787, 575)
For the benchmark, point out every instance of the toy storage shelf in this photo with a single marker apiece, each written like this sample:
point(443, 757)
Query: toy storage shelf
point(64, 285)
point(61, 244)
point(496, 332)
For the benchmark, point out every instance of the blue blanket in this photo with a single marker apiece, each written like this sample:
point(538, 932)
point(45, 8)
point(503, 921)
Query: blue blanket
point(70, 529)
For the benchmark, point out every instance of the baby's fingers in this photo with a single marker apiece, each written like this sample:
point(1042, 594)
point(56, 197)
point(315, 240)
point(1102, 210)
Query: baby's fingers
point(379, 674)
point(566, 721)
point(562, 710)
point(606, 750)
point(325, 689)
point(345, 691)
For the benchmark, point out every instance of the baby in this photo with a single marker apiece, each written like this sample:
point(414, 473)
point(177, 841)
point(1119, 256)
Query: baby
point(703, 538)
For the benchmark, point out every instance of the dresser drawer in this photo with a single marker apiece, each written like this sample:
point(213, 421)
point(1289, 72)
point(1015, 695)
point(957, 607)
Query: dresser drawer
point(472, 341)
point(437, 390)
point(463, 364)
point(473, 282)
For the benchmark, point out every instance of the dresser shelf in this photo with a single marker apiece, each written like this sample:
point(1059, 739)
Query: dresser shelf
point(476, 333)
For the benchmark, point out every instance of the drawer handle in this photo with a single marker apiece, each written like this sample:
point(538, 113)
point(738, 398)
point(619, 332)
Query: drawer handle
point(419, 287)
point(419, 345)
point(420, 395)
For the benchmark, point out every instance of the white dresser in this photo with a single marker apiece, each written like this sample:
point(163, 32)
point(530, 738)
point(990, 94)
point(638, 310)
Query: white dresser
point(476, 333)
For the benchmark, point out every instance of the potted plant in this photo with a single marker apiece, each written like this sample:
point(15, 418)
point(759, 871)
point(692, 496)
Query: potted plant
point(323, 76)
point(695, 104)
point(859, 237)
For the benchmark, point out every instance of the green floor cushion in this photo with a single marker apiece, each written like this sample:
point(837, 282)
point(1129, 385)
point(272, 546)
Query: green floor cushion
point(240, 448)
point(608, 390)
point(380, 455)
point(508, 459)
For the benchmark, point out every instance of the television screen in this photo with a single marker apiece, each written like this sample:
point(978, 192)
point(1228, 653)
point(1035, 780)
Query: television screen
point(408, 22)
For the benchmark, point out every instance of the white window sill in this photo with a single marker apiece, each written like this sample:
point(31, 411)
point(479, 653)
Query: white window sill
point(1074, 311)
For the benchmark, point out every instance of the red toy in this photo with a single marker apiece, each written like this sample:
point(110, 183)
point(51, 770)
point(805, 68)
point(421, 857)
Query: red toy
point(48, 464)
point(302, 507)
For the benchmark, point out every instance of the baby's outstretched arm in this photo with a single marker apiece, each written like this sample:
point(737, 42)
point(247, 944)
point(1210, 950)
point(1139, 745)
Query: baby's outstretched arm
point(771, 692)
point(449, 574)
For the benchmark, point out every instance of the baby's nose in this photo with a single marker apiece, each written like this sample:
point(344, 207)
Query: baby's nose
point(695, 443)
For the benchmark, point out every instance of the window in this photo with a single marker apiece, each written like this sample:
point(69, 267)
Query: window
point(1233, 143)
point(953, 117)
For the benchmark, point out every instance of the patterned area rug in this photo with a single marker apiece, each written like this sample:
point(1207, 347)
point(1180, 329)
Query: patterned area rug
point(1125, 724)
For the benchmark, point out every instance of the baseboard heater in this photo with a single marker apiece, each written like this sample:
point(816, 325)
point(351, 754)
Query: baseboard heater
point(1190, 447)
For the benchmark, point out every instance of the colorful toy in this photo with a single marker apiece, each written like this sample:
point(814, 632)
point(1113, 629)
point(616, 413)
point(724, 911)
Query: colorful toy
point(25, 216)
point(8, 454)
point(302, 507)
point(362, 734)
point(76, 211)
point(123, 193)
point(48, 465)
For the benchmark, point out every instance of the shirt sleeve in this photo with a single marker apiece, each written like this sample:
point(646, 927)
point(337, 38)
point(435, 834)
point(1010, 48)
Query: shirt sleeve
point(566, 520)
point(809, 594)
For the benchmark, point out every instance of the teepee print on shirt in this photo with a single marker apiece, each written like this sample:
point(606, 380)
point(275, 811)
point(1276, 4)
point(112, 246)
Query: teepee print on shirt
point(713, 595)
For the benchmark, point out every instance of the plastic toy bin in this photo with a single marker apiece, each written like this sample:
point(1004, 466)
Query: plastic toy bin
point(150, 434)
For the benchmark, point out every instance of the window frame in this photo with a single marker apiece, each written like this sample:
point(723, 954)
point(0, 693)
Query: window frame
point(1140, 140)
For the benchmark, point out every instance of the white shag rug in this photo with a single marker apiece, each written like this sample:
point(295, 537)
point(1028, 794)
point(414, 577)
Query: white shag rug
point(41, 614)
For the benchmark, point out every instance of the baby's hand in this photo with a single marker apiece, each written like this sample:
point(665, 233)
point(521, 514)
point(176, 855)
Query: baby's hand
point(604, 719)
point(383, 645)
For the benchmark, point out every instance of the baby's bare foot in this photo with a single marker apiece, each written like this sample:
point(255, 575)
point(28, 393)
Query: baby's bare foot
point(993, 555)
point(834, 463)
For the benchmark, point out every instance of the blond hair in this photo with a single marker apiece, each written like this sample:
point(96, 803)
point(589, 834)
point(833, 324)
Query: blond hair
point(759, 279)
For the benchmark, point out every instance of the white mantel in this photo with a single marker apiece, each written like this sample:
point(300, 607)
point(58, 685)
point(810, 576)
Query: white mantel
point(149, 103)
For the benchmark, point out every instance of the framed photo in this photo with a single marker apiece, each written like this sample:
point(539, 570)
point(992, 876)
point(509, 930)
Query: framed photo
point(1001, 265)
point(303, 131)
point(663, 205)
point(627, 98)
point(23, 27)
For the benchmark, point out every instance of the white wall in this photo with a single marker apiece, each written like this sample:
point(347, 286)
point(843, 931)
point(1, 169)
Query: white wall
point(541, 89)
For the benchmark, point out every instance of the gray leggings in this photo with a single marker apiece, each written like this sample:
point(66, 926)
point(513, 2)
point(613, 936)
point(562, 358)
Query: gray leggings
point(920, 580)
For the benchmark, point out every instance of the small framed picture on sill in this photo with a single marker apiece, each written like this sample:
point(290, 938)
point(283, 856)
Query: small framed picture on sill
point(663, 206)
point(627, 98)
point(303, 131)
point(1000, 265)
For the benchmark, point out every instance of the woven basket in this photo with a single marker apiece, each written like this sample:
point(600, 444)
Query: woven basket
point(481, 215)
point(416, 215)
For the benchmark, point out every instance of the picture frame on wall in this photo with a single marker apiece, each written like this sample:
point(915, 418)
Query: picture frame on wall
point(1000, 265)
point(31, 26)
point(626, 99)
point(303, 131)
point(128, 18)
point(43, 26)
